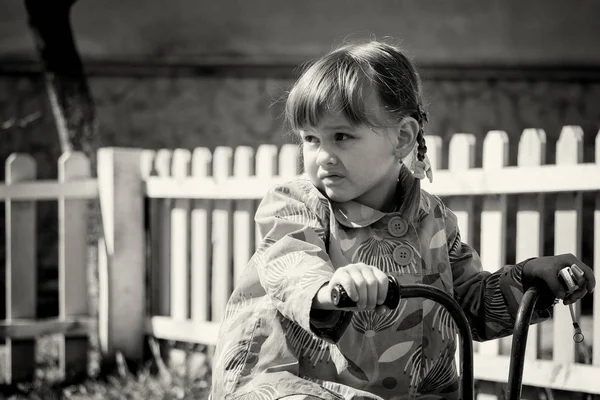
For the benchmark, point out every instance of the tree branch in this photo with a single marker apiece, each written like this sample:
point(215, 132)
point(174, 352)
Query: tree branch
point(66, 83)
point(21, 122)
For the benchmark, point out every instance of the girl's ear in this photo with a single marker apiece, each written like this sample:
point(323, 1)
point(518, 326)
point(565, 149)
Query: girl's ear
point(406, 135)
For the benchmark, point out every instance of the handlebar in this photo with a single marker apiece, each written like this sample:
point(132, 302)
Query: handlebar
point(340, 299)
point(519, 342)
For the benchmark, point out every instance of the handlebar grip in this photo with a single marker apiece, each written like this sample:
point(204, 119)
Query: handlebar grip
point(340, 298)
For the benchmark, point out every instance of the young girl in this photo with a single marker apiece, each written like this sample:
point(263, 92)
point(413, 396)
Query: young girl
point(357, 215)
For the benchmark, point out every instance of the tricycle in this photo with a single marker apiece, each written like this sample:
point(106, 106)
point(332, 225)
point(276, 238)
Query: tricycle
point(396, 291)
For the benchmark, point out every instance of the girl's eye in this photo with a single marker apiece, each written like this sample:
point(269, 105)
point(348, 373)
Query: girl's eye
point(342, 136)
point(309, 139)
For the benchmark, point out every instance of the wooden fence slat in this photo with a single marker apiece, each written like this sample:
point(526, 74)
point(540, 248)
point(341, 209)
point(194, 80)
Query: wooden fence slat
point(179, 241)
point(462, 158)
point(290, 164)
point(72, 264)
point(596, 266)
point(33, 328)
point(200, 237)
point(243, 215)
point(21, 273)
point(434, 152)
point(493, 217)
point(40, 190)
point(222, 267)
point(266, 167)
point(147, 170)
point(530, 217)
point(567, 234)
point(147, 163)
point(160, 226)
point(472, 182)
point(545, 374)
point(122, 295)
point(189, 331)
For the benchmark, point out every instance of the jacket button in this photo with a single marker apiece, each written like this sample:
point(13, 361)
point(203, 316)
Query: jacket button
point(403, 254)
point(397, 227)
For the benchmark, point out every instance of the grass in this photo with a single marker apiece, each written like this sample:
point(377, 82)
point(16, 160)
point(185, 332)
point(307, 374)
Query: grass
point(188, 377)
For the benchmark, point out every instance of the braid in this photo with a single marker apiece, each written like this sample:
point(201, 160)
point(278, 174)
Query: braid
point(422, 147)
point(422, 118)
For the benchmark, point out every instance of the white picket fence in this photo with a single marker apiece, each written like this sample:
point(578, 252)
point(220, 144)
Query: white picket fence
point(178, 230)
point(20, 192)
point(202, 228)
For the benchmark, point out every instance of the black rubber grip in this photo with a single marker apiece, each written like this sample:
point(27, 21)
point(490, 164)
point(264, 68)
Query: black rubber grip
point(340, 298)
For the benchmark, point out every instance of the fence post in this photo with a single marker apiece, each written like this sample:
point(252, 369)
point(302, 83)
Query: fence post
point(222, 224)
point(243, 214)
point(21, 277)
point(72, 264)
point(122, 290)
point(596, 266)
point(461, 157)
point(567, 238)
point(201, 251)
point(266, 167)
point(180, 222)
point(493, 218)
point(530, 229)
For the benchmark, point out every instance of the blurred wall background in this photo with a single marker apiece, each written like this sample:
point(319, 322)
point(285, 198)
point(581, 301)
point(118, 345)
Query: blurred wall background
point(184, 73)
point(188, 73)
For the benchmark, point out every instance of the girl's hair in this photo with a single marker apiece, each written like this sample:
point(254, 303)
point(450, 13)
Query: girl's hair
point(341, 82)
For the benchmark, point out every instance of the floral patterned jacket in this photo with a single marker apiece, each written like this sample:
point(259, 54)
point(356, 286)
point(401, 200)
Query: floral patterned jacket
point(272, 346)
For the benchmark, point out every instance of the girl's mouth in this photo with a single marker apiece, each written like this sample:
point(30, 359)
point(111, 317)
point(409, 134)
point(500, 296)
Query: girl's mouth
point(329, 179)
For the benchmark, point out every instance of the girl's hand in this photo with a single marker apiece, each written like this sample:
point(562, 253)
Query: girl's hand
point(546, 269)
point(364, 284)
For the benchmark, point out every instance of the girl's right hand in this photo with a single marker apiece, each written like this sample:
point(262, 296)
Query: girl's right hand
point(366, 285)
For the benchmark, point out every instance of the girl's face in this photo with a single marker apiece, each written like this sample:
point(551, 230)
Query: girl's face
point(352, 162)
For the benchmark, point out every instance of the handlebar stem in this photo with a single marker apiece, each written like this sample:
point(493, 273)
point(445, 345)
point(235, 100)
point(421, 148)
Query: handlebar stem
point(519, 342)
point(460, 319)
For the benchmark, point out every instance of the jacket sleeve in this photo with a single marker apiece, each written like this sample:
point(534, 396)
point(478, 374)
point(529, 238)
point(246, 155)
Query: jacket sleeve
point(490, 300)
point(292, 260)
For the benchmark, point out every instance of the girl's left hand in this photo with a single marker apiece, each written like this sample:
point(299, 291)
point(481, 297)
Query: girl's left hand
point(546, 269)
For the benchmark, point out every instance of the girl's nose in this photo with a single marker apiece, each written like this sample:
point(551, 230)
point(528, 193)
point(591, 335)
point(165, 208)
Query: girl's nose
point(326, 157)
